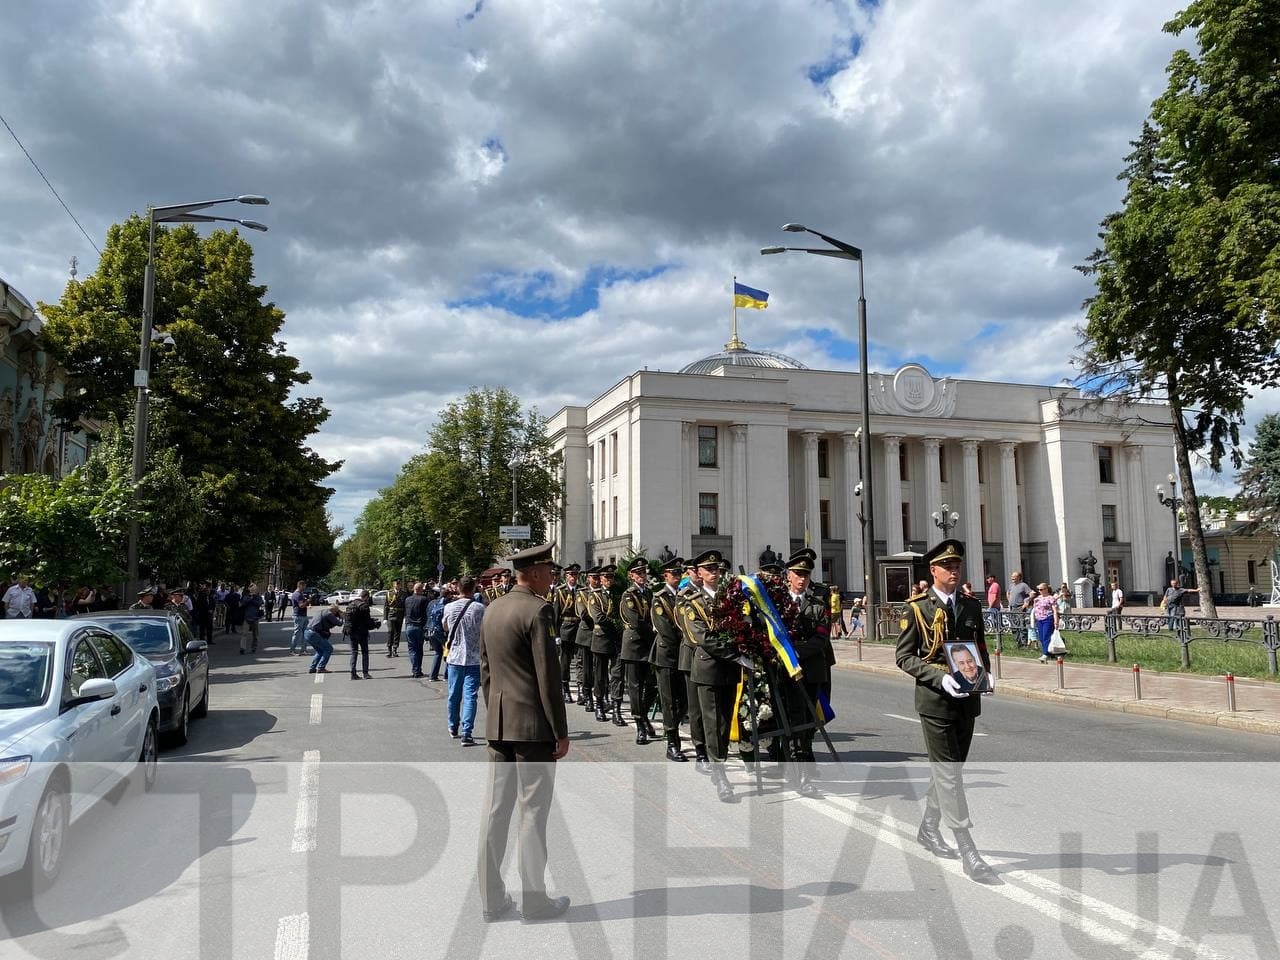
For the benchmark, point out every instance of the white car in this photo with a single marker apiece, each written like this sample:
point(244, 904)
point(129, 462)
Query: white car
point(340, 597)
point(78, 714)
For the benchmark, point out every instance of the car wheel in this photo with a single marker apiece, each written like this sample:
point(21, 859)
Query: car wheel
point(201, 709)
point(148, 758)
point(48, 836)
point(179, 735)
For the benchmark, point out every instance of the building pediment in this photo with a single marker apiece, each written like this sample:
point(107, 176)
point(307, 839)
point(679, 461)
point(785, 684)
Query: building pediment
point(911, 391)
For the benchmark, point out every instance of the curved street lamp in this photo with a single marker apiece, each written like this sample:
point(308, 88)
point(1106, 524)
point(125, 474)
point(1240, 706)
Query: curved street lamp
point(846, 251)
point(170, 213)
point(944, 519)
point(1174, 503)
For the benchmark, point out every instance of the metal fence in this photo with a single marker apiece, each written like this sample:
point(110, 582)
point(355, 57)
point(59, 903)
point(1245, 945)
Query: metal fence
point(1012, 626)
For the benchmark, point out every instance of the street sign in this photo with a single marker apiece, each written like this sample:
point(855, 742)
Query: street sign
point(514, 533)
point(439, 568)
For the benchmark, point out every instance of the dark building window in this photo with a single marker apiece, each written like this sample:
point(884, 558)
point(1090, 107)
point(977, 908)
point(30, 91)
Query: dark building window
point(824, 519)
point(1109, 523)
point(707, 437)
point(1106, 467)
point(709, 512)
point(822, 459)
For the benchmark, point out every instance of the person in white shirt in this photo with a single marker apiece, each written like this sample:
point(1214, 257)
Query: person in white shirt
point(1117, 597)
point(19, 600)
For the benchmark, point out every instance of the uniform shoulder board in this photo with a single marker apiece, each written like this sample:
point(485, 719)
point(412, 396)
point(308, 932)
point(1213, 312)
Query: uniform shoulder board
point(917, 596)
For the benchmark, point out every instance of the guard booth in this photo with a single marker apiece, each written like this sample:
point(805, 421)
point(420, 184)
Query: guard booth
point(899, 574)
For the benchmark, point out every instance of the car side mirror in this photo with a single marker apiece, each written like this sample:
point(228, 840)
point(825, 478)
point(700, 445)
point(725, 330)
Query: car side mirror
point(99, 688)
point(196, 646)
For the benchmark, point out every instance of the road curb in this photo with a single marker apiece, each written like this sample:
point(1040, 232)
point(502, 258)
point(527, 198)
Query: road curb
point(1228, 721)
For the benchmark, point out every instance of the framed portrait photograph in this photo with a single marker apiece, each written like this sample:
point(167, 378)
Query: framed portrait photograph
point(966, 666)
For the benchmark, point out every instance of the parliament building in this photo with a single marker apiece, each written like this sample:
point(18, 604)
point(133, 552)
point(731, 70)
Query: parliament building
point(748, 451)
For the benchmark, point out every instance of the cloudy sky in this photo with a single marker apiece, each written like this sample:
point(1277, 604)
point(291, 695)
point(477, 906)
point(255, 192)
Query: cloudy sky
point(549, 196)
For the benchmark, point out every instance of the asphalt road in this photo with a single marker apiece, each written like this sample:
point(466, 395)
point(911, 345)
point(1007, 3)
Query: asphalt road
point(321, 817)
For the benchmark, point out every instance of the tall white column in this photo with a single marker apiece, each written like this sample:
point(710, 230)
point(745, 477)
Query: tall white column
point(1141, 575)
point(932, 475)
point(1009, 533)
point(810, 438)
point(892, 495)
point(853, 546)
point(971, 519)
point(689, 449)
point(741, 531)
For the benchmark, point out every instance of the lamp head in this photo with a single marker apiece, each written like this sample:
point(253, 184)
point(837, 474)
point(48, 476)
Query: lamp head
point(1172, 479)
point(794, 227)
point(252, 199)
point(765, 251)
point(253, 225)
point(1160, 489)
point(857, 490)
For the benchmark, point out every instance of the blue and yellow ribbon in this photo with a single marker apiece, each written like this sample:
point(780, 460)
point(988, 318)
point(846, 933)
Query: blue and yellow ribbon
point(779, 639)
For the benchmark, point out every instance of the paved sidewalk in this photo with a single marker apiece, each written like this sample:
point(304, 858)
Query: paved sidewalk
point(1187, 697)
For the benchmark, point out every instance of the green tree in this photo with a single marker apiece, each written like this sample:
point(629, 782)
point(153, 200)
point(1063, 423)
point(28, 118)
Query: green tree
point(62, 531)
point(461, 486)
point(1260, 480)
point(1188, 275)
point(221, 397)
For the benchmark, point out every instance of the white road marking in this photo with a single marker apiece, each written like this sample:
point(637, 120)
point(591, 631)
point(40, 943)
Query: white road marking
point(898, 716)
point(293, 935)
point(317, 704)
point(1046, 899)
point(304, 821)
point(319, 678)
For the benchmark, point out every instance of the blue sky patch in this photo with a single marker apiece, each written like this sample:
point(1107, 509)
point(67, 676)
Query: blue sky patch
point(820, 73)
point(535, 295)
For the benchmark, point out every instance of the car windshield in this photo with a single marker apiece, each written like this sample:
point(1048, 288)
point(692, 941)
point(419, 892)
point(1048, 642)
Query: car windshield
point(149, 637)
point(25, 674)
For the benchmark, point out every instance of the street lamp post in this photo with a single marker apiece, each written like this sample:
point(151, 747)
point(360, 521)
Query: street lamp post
point(440, 561)
point(944, 519)
point(170, 213)
point(1174, 503)
point(845, 251)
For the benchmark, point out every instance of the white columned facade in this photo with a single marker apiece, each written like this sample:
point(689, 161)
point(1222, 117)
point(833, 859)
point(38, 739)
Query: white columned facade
point(1009, 534)
point(813, 520)
point(971, 519)
point(932, 476)
point(854, 575)
point(892, 496)
point(741, 531)
point(689, 451)
point(1140, 575)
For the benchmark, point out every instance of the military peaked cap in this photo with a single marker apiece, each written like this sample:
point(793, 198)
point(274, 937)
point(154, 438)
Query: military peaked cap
point(573, 568)
point(708, 558)
point(674, 565)
point(531, 556)
point(609, 569)
point(803, 560)
point(638, 564)
point(946, 550)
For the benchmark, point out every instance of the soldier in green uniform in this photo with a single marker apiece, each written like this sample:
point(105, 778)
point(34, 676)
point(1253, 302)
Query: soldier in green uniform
point(586, 627)
point(716, 670)
point(667, 648)
point(606, 642)
point(637, 648)
point(812, 642)
point(564, 602)
point(702, 763)
point(936, 616)
point(395, 617)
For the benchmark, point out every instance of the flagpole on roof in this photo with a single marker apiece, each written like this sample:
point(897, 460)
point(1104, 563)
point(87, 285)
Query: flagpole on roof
point(734, 343)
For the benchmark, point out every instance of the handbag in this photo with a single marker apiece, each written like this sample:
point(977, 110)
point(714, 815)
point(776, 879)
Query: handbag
point(1056, 644)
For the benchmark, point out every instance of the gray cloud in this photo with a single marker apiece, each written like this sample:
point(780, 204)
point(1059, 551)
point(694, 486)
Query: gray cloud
point(418, 158)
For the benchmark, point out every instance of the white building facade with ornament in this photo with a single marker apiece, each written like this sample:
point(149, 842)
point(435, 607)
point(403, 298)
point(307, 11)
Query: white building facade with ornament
point(748, 451)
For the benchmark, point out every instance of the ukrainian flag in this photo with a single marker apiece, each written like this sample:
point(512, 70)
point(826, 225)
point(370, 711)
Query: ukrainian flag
point(750, 297)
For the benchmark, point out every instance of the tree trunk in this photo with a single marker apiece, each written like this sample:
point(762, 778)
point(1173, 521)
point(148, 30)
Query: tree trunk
point(1190, 506)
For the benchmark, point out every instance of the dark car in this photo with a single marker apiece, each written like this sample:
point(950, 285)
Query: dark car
point(181, 663)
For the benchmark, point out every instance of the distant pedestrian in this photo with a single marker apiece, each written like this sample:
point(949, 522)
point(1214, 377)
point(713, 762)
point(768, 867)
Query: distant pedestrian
point(993, 593)
point(527, 732)
point(298, 641)
point(415, 608)
point(282, 603)
point(232, 603)
point(269, 604)
point(462, 640)
point(395, 624)
point(1172, 602)
point(360, 622)
point(1044, 614)
point(19, 600)
point(251, 609)
point(1117, 598)
point(1019, 592)
point(319, 629)
point(435, 631)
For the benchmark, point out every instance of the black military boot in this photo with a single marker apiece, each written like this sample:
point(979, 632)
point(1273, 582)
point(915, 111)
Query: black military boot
point(566, 693)
point(579, 689)
point(724, 789)
point(588, 702)
point(701, 762)
point(931, 838)
point(618, 719)
point(602, 711)
point(975, 868)
point(642, 735)
point(648, 725)
point(674, 753)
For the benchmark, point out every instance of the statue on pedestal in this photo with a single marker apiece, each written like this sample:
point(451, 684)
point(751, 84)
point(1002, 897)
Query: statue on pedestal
point(666, 556)
point(769, 555)
point(1088, 565)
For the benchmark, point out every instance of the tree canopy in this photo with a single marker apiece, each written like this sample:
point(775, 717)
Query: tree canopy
point(222, 397)
point(461, 485)
point(1188, 274)
point(1260, 480)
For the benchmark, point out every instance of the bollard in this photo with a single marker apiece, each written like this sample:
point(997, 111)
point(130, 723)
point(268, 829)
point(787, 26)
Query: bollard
point(1137, 682)
point(997, 655)
point(1061, 682)
point(859, 649)
point(1231, 693)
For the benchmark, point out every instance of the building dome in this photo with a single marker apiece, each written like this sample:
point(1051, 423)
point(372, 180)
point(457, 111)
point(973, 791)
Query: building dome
point(737, 354)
